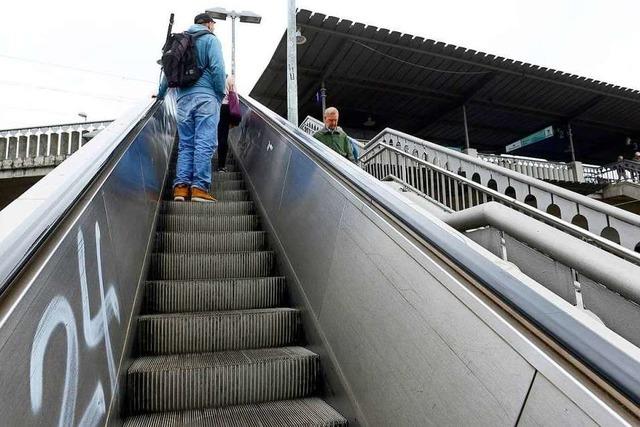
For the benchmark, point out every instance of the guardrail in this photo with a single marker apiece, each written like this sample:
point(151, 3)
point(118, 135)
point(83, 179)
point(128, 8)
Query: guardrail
point(457, 193)
point(601, 219)
point(46, 141)
point(626, 170)
point(310, 125)
point(535, 168)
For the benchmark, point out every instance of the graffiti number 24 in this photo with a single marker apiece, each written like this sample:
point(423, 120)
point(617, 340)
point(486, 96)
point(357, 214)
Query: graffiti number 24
point(95, 329)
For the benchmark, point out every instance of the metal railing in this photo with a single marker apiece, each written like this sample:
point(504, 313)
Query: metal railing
point(612, 223)
point(310, 125)
point(535, 168)
point(626, 170)
point(458, 193)
point(45, 141)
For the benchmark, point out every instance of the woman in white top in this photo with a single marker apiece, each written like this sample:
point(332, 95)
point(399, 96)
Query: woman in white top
point(223, 126)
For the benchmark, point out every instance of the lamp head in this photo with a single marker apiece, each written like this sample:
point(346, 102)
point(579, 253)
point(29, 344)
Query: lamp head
point(250, 17)
point(218, 13)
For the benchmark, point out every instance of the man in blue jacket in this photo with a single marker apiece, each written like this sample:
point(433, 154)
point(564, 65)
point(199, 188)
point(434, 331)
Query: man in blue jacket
point(198, 115)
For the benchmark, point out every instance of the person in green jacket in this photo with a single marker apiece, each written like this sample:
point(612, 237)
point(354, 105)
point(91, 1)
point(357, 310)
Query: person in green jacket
point(333, 136)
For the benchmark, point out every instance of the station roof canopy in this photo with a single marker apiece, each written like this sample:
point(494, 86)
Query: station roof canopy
point(419, 86)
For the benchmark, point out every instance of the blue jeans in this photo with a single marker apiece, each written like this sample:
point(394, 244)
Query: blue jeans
point(198, 116)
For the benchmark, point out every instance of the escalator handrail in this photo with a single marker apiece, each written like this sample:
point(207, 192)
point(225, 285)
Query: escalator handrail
point(31, 218)
point(612, 357)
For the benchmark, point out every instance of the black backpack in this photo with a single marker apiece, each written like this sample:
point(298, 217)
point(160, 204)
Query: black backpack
point(179, 59)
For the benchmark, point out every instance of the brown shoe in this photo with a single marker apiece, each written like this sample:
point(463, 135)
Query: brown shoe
point(180, 193)
point(198, 195)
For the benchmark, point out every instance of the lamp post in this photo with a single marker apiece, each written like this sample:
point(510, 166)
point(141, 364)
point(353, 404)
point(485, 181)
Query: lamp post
point(244, 16)
point(294, 37)
point(83, 115)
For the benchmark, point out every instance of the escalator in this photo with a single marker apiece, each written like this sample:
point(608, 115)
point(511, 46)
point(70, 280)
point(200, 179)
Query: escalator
point(215, 314)
point(310, 294)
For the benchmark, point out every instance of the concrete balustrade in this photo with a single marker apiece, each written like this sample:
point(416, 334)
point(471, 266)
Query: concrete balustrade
point(34, 151)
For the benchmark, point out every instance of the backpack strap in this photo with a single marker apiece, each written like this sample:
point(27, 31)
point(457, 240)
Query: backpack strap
point(200, 33)
point(195, 36)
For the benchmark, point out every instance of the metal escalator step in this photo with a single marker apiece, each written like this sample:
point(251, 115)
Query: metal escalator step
point(210, 266)
point(224, 176)
point(217, 186)
point(220, 208)
point(209, 380)
point(230, 167)
point(210, 241)
point(228, 185)
point(168, 222)
point(226, 294)
point(231, 195)
point(206, 332)
point(215, 176)
point(311, 412)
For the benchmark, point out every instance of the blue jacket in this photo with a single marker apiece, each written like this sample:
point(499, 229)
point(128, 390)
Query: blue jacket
point(211, 63)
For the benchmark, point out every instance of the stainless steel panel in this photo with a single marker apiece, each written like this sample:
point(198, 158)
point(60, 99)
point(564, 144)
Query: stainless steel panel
point(548, 406)
point(550, 273)
point(268, 157)
point(417, 355)
point(62, 354)
point(398, 335)
point(64, 330)
point(408, 351)
point(618, 313)
point(489, 238)
point(306, 208)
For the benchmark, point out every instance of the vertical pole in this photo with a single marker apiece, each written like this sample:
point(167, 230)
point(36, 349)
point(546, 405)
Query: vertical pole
point(573, 151)
point(466, 127)
point(233, 46)
point(292, 65)
point(323, 98)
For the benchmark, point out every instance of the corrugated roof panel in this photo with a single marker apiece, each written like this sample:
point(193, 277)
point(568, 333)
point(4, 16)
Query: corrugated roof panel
point(514, 96)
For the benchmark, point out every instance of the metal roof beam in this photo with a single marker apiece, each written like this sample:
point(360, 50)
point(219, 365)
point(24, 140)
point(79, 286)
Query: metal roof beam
point(469, 62)
point(486, 127)
point(330, 68)
point(421, 92)
point(585, 107)
point(439, 115)
point(373, 84)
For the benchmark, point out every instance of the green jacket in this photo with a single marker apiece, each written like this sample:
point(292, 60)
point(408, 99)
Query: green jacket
point(337, 140)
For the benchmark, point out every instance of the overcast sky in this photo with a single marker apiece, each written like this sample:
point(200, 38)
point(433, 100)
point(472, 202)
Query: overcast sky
point(109, 49)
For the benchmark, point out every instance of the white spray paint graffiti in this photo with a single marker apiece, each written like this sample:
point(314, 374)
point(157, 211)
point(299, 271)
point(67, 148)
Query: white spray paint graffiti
point(58, 312)
point(95, 329)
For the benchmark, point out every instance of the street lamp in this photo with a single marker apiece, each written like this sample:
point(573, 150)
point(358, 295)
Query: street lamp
point(83, 115)
point(292, 63)
point(245, 16)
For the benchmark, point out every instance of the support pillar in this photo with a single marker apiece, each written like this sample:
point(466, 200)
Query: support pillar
point(573, 151)
point(467, 144)
point(323, 98)
point(292, 65)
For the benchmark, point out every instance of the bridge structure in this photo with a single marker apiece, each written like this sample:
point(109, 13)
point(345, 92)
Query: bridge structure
point(28, 154)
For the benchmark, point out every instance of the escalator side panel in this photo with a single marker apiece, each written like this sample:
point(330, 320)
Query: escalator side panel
point(402, 349)
point(547, 406)
point(63, 344)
